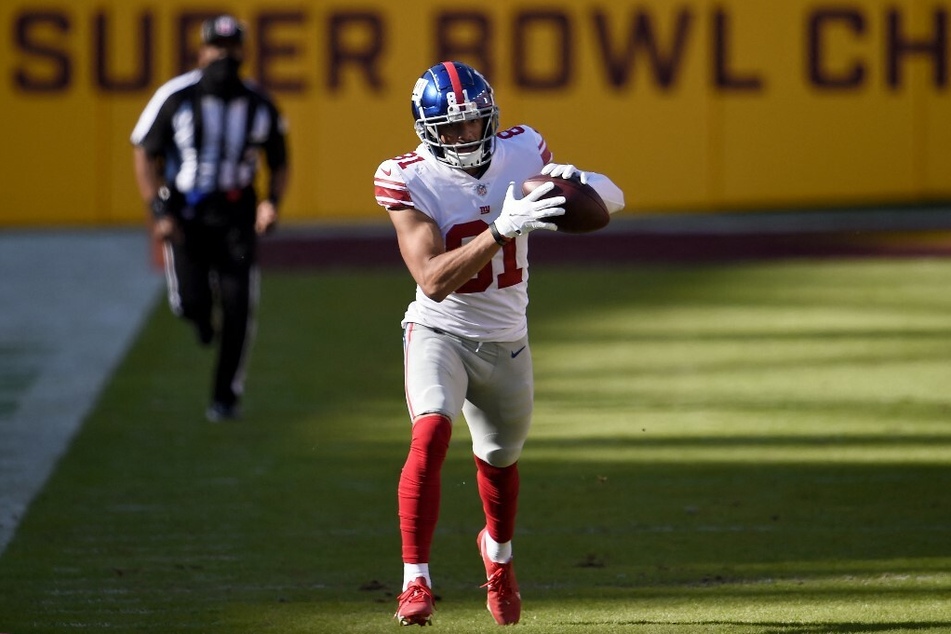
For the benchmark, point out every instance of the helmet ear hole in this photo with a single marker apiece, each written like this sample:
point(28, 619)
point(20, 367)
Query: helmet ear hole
point(451, 92)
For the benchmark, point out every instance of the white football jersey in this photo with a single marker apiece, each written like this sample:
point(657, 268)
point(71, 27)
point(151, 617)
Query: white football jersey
point(492, 305)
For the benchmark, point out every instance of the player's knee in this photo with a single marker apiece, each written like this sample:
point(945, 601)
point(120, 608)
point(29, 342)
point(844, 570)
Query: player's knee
point(499, 456)
point(431, 432)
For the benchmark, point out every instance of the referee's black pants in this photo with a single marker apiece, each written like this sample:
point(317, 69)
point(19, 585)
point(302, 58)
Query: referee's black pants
point(213, 282)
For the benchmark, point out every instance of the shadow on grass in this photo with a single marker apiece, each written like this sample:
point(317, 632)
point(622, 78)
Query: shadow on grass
point(740, 441)
point(155, 512)
point(805, 628)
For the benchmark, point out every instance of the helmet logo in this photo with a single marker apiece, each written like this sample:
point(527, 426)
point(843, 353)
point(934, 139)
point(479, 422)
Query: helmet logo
point(418, 89)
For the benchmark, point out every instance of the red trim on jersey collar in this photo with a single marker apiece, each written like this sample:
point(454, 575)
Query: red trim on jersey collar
point(454, 81)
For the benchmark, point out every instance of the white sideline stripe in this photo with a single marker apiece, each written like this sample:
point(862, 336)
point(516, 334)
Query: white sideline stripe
point(72, 302)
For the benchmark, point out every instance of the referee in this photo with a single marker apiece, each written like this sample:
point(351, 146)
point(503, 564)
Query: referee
point(197, 147)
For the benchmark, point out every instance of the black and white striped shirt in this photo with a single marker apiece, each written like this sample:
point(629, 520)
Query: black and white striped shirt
point(210, 144)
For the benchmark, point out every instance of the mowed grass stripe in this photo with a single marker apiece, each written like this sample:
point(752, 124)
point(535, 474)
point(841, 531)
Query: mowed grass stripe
point(755, 448)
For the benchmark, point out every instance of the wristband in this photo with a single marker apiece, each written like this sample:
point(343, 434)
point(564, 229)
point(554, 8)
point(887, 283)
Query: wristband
point(159, 205)
point(499, 238)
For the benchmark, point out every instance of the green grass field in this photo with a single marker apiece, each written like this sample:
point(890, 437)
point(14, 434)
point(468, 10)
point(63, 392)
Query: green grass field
point(756, 449)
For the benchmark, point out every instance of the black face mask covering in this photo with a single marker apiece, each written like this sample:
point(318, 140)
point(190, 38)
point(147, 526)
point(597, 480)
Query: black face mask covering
point(221, 78)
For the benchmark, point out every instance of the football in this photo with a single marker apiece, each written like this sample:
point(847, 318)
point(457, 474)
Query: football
point(584, 210)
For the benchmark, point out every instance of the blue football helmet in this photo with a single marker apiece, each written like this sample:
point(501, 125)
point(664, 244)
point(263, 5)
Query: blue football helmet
point(450, 92)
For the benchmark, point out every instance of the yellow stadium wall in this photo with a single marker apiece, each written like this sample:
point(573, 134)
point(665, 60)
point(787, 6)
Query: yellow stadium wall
point(694, 105)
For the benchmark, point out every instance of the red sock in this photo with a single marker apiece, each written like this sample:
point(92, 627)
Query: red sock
point(498, 488)
point(419, 487)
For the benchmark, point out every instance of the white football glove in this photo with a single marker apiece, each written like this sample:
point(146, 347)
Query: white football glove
point(529, 213)
point(566, 171)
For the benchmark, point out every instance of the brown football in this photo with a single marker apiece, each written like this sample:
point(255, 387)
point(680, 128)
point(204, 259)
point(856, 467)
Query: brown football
point(584, 210)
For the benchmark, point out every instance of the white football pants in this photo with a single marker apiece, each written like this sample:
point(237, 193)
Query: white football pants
point(490, 383)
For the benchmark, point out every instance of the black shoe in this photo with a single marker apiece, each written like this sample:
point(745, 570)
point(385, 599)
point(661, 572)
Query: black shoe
point(218, 412)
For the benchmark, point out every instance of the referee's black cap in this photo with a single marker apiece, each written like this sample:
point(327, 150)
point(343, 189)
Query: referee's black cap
point(222, 30)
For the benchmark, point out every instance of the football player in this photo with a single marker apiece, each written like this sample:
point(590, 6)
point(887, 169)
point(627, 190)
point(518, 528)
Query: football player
point(463, 234)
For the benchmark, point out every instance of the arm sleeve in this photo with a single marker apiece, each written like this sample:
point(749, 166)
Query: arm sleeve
point(610, 193)
point(275, 148)
point(153, 130)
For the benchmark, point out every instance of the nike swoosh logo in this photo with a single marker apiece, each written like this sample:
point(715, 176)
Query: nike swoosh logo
point(386, 171)
point(515, 353)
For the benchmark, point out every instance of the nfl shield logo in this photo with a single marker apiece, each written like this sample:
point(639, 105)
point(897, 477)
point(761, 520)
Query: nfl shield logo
point(482, 190)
